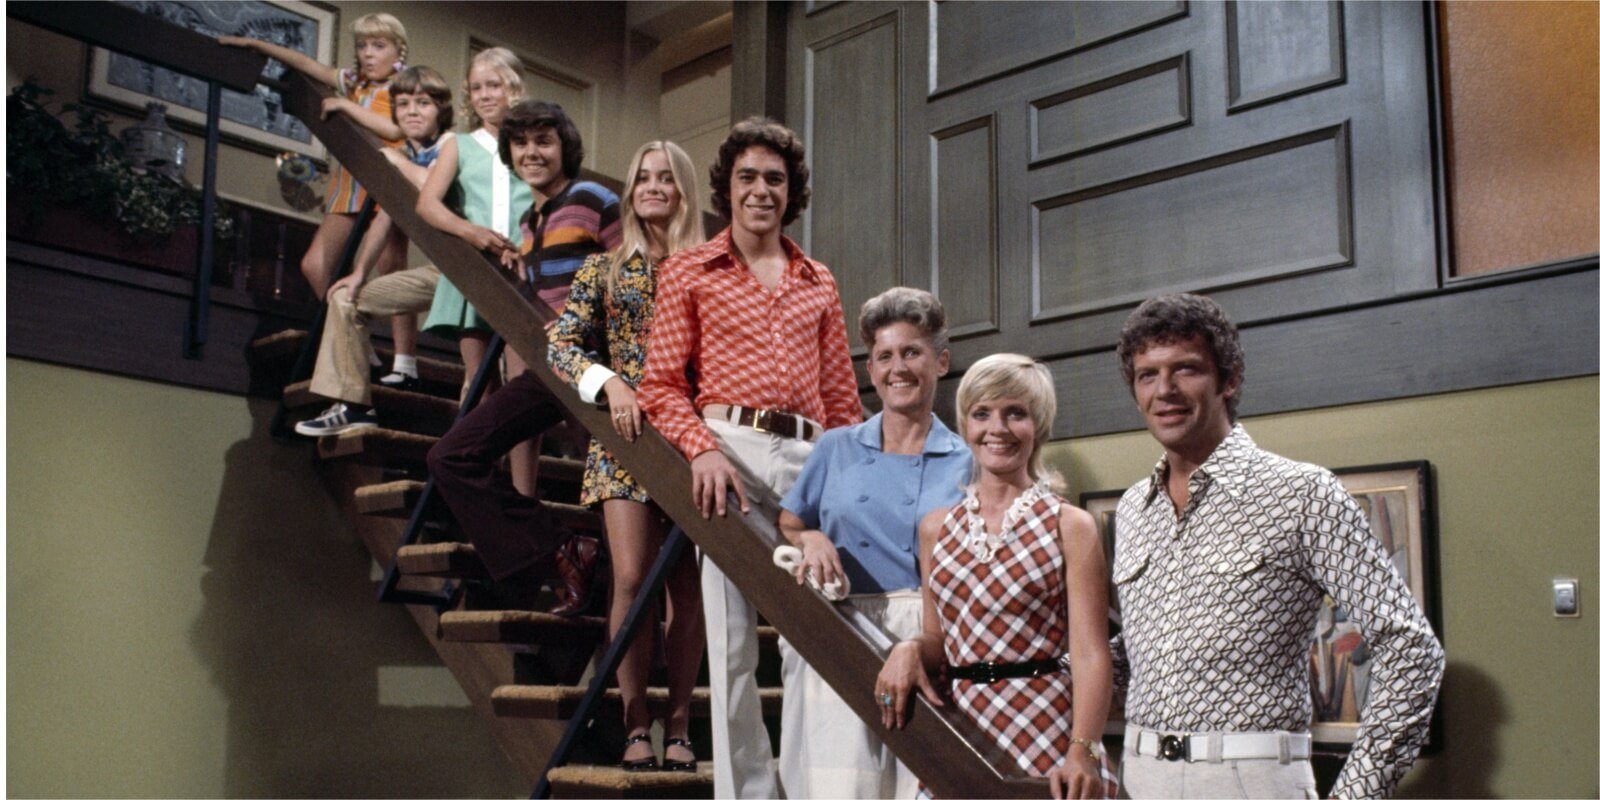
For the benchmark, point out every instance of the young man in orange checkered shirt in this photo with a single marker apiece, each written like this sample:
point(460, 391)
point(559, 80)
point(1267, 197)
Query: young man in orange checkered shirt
point(747, 364)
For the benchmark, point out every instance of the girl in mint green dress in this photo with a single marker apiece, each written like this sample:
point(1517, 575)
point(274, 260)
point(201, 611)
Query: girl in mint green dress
point(470, 193)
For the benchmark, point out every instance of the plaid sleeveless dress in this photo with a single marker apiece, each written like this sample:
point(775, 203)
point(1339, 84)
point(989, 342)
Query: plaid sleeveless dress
point(1009, 609)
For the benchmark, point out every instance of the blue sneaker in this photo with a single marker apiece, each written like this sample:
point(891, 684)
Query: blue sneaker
point(336, 420)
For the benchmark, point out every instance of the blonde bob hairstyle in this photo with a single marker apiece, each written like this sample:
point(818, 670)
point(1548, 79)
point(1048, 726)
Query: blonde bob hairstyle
point(1009, 375)
point(683, 231)
point(381, 26)
point(505, 64)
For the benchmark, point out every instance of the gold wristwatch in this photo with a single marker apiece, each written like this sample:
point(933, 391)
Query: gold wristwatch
point(1095, 748)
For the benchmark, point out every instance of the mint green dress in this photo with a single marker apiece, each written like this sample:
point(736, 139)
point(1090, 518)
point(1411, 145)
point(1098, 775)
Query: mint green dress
point(475, 197)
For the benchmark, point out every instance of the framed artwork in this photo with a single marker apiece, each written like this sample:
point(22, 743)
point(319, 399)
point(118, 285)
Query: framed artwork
point(1103, 507)
point(256, 119)
point(1398, 501)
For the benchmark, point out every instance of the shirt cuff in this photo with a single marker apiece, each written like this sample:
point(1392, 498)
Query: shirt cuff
point(593, 380)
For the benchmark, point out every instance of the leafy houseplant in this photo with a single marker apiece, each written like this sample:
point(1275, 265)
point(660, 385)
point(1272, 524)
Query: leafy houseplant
point(82, 168)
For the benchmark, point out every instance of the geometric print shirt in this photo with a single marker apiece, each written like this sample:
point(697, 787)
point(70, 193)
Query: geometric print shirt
point(719, 336)
point(1218, 608)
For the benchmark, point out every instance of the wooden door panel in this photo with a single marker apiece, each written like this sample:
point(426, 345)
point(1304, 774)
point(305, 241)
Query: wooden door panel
point(1059, 162)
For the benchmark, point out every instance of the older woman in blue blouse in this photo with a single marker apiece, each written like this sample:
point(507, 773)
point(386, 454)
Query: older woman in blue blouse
point(853, 514)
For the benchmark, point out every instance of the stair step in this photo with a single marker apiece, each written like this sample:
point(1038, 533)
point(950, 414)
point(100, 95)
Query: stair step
point(440, 560)
point(448, 376)
point(410, 411)
point(519, 627)
point(561, 702)
point(536, 627)
point(595, 781)
point(384, 447)
point(396, 499)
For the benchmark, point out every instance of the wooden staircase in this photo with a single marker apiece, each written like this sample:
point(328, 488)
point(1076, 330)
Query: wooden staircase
point(523, 669)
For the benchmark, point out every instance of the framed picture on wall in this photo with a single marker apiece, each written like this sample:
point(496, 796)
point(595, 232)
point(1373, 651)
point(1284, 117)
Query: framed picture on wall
point(1398, 501)
point(1103, 507)
point(256, 119)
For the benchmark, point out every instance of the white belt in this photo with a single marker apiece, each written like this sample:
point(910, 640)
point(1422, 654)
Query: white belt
point(1217, 745)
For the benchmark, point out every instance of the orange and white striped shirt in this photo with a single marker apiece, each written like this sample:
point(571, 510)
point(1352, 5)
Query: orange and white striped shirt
point(345, 196)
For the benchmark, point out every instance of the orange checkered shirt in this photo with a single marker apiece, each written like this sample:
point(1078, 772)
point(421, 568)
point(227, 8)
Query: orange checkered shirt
point(718, 336)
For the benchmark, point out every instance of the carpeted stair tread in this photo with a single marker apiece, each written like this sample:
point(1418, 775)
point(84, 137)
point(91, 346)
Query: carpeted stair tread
point(595, 781)
point(384, 447)
point(378, 447)
point(440, 560)
point(561, 702)
point(536, 627)
point(447, 375)
point(401, 410)
point(519, 627)
point(396, 499)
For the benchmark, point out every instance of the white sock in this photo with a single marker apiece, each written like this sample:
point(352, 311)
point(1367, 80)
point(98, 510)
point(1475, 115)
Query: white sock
point(405, 365)
point(375, 361)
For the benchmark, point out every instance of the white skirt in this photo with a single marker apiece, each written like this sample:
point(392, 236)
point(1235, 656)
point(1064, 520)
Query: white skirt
point(825, 750)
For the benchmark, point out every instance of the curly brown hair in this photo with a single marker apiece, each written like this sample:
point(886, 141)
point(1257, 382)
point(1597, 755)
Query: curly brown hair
point(1176, 317)
point(768, 133)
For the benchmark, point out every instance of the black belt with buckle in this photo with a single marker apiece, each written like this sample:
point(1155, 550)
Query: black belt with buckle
point(990, 672)
point(1174, 748)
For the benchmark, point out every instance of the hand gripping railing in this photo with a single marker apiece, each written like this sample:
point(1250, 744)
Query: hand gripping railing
point(945, 749)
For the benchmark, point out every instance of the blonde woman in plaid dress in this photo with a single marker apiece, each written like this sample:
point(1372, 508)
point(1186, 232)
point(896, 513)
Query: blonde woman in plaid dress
point(1013, 580)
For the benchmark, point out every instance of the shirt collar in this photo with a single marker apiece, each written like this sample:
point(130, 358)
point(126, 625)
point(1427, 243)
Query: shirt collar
point(718, 253)
point(1229, 466)
point(939, 440)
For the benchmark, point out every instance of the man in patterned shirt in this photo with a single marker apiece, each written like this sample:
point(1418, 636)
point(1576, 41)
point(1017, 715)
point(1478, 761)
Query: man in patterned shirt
point(1222, 560)
point(747, 363)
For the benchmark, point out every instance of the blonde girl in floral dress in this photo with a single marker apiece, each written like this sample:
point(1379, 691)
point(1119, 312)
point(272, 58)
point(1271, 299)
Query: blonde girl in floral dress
point(612, 300)
point(1013, 580)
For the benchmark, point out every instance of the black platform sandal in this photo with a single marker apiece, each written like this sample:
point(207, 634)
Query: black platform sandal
point(638, 764)
point(676, 765)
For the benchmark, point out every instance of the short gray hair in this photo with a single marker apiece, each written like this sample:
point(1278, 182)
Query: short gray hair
point(905, 304)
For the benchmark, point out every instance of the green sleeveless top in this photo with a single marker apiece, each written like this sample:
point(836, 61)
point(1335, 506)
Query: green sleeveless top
point(480, 201)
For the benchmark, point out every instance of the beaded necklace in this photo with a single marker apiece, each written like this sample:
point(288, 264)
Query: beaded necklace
point(978, 539)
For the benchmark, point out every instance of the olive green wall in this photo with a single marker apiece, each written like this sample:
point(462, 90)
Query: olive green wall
point(1516, 471)
point(189, 616)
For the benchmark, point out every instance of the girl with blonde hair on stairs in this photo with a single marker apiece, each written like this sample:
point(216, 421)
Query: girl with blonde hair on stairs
point(612, 299)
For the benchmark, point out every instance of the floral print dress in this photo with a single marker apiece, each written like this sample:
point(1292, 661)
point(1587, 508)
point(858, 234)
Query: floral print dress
point(620, 321)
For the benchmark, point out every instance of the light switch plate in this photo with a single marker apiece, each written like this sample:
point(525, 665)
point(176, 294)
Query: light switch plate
point(1565, 596)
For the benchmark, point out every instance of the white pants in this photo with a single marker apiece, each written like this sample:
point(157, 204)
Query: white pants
point(826, 750)
point(1148, 776)
point(741, 753)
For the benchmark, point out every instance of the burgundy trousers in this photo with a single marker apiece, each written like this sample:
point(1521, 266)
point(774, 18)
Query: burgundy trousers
point(511, 531)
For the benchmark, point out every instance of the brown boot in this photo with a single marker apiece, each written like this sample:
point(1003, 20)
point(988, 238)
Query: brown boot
point(575, 563)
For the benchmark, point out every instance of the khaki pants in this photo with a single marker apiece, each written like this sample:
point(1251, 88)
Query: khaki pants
point(344, 359)
point(740, 749)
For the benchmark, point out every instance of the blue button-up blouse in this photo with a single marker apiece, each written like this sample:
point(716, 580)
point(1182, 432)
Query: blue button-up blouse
point(869, 502)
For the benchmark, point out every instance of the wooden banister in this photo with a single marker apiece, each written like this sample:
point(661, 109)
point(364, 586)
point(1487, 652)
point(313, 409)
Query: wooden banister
point(942, 747)
point(130, 32)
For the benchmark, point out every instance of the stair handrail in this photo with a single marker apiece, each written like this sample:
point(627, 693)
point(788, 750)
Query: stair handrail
point(944, 748)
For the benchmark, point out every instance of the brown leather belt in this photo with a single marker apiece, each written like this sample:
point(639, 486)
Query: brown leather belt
point(766, 420)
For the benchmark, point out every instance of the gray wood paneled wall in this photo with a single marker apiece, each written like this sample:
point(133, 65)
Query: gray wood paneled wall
point(1045, 166)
